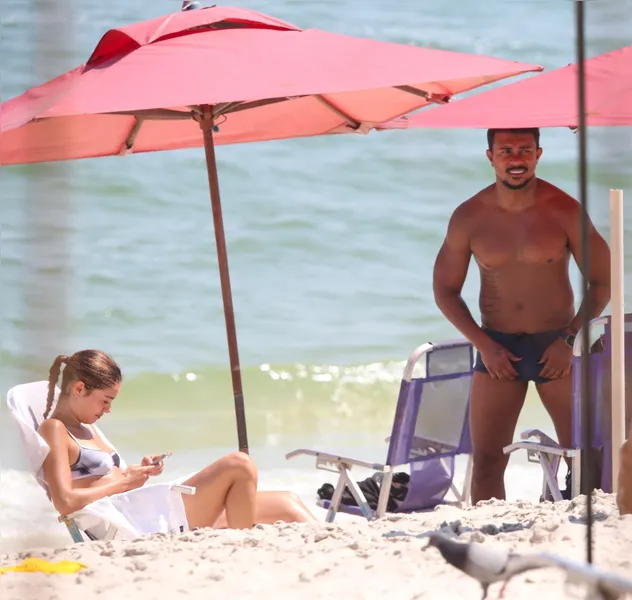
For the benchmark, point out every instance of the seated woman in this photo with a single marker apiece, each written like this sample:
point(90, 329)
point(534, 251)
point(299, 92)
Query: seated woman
point(82, 468)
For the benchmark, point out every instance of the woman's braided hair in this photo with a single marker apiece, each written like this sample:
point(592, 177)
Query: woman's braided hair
point(95, 368)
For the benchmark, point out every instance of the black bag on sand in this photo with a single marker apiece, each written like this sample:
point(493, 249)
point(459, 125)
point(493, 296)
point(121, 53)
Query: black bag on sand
point(595, 456)
point(371, 489)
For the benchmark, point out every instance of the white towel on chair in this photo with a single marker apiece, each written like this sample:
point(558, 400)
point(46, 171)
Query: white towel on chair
point(153, 508)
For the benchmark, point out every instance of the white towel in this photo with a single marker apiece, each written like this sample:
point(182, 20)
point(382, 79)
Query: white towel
point(26, 405)
point(153, 508)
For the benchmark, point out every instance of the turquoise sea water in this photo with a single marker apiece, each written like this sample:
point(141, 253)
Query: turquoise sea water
point(331, 243)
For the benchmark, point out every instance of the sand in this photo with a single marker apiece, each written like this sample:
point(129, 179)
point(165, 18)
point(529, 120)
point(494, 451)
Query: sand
point(351, 559)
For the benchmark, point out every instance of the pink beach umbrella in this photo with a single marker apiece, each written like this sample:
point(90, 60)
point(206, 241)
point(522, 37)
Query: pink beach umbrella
point(224, 75)
point(545, 100)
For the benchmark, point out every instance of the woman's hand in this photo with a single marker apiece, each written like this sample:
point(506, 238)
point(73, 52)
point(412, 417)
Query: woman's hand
point(135, 476)
point(157, 468)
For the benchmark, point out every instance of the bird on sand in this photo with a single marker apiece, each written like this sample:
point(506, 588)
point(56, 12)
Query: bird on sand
point(483, 562)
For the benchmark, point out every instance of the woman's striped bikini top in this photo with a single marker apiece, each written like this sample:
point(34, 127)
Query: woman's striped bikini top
point(93, 461)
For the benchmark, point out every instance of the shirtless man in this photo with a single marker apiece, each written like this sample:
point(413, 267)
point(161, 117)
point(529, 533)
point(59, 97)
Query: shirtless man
point(522, 231)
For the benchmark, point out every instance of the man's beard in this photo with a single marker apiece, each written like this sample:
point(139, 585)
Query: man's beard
point(517, 186)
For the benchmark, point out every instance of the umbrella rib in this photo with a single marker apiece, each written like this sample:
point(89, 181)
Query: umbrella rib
point(233, 107)
point(224, 108)
point(431, 97)
point(350, 120)
point(128, 145)
point(157, 114)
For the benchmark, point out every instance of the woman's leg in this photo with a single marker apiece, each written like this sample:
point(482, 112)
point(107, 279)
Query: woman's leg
point(229, 484)
point(276, 506)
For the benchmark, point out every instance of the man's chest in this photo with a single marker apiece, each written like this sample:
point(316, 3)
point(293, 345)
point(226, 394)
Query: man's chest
point(497, 241)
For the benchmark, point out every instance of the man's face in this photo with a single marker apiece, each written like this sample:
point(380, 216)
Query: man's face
point(514, 157)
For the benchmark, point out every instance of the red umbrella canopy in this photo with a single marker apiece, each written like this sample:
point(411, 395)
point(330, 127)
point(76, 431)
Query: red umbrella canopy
point(546, 100)
point(264, 79)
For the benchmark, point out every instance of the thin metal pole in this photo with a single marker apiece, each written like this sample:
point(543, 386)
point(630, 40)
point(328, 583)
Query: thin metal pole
point(587, 413)
point(206, 124)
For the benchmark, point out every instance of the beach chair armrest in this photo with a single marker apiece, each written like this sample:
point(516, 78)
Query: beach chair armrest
point(184, 489)
point(544, 445)
point(323, 459)
point(535, 448)
point(540, 435)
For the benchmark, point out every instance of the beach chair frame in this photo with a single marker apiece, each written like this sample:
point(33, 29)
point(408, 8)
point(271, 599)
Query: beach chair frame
point(342, 465)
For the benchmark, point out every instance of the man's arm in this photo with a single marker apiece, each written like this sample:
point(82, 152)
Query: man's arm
point(450, 271)
point(598, 273)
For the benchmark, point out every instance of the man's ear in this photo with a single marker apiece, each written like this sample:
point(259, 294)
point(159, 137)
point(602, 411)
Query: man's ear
point(489, 155)
point(538, 153)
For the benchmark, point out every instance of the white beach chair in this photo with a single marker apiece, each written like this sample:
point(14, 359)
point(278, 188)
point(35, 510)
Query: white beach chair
point(549, 453)
point(152, 508)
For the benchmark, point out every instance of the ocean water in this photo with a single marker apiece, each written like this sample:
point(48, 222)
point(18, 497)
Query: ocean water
point(331, 244)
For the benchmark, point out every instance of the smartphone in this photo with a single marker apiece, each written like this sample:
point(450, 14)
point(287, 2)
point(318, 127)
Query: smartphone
point(160, 458)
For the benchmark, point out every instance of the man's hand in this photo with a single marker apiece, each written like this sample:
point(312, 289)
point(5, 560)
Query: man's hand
point(498, 361)
point(556, 360)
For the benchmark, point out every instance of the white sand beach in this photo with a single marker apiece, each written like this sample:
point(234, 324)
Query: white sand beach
point(348, 559)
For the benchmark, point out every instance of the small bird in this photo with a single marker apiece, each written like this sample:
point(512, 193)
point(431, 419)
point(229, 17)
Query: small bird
point(484, 563)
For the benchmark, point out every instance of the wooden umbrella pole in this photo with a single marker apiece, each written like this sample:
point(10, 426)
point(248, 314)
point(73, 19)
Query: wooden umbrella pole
point(205, 119)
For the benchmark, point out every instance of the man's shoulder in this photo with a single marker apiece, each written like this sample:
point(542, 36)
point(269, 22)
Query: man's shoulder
point(557, 198)
point(473, 206)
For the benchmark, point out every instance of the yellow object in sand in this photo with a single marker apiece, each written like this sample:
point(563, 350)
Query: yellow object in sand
point(38, 565)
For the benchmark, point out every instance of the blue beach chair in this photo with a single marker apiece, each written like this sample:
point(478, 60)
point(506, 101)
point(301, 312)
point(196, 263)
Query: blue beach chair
point(430, 429)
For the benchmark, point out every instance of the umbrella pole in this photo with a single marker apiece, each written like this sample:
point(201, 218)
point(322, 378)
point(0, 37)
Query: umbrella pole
point(206, 124)
point(587, 412)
